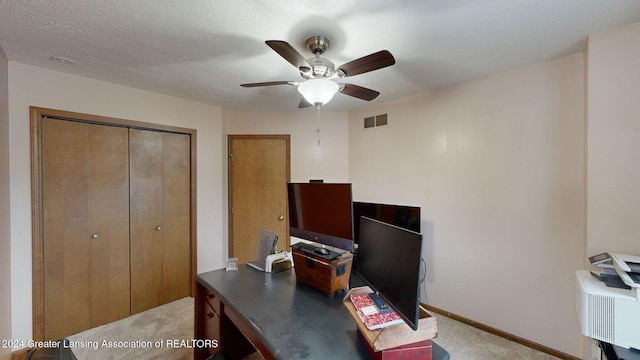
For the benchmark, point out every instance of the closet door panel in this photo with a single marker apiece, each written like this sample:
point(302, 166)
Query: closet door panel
point(176, 214)
point(160, 218)
point(109, 219)
point(66, 251)
point(79, 200)
point(145, 159)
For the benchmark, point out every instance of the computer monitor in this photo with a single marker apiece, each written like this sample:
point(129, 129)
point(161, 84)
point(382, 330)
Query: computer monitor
point(322, 213)
point(389, 262)
point(404, 216)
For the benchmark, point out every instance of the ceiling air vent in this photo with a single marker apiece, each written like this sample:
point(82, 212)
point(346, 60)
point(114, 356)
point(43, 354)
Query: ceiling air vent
point(372, 121)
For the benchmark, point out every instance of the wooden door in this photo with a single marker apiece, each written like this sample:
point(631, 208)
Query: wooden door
point(258, 176)
point(85, 226)
point(160, 218)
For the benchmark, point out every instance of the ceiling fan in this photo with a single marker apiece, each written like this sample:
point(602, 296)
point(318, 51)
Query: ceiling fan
point(318, 87)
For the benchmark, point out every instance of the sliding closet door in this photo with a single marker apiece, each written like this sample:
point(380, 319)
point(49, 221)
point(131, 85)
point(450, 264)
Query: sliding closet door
point(85, 201)
point(160, 218)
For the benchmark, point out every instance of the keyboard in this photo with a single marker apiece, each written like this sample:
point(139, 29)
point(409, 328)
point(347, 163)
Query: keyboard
point(312, 249)
point(304, 247)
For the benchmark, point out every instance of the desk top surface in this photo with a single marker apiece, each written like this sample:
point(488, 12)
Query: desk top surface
point(295, 321)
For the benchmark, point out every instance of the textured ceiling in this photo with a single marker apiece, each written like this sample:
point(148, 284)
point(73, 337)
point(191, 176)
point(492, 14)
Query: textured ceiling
point(204, 50)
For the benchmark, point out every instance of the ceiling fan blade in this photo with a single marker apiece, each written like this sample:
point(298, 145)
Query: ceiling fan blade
point(289, 53)
point(304, 104)
point(269, 83)
point(359, 92)
point(368, 63)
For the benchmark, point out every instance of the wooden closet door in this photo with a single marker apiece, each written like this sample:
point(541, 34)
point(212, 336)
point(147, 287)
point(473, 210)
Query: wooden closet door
point(160, 218)
point(85, 195)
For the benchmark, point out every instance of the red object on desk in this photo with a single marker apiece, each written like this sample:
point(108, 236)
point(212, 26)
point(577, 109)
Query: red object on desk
point(417, 351)
point(375, 320)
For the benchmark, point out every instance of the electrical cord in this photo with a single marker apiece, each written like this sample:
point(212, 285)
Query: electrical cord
point(423, 283)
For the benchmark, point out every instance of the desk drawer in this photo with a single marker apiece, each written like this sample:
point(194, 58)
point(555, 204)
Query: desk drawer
point(211, 326)
point(212, 300)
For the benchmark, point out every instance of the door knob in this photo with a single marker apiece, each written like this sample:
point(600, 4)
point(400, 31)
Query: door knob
point(281, 217)
point(159, 228)
point(94, 236)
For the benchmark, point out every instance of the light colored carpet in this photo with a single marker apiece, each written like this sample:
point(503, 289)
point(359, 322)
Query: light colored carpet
point(174, 321)
point(464, 342)
point(153, 329)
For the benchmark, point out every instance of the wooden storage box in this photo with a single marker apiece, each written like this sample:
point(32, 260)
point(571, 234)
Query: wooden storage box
point(394, 335)
point(328, 276)
point(421, 350)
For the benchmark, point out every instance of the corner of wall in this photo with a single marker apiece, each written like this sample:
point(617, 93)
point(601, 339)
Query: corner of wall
point(585, 137)
point(611, 82)
point(5, 224)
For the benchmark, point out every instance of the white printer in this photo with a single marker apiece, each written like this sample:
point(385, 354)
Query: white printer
point(610, 314)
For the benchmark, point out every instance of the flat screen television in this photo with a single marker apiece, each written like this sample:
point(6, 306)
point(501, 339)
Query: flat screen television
point(322, 213)
point(389, 262)
point(404, 216)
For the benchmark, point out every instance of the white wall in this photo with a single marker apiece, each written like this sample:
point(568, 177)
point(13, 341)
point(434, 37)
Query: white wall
point(497, 168)
point(613, 177)
point(5, 225)
point(32, 86)
point(613, 130)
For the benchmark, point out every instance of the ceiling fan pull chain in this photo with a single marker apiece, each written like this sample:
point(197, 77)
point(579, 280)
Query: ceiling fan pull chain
point(318, 126)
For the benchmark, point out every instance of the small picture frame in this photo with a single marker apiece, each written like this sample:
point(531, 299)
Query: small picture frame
point(232, 264)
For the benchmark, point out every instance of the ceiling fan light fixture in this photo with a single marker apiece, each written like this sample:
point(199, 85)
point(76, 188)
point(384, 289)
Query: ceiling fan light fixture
point(318, 91)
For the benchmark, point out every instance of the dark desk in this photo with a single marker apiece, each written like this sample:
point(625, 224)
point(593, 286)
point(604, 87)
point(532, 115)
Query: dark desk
point(281, 319)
